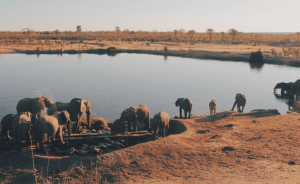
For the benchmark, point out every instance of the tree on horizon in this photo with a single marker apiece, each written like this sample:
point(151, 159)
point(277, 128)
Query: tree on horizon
point(233, 32)
point(210, 33)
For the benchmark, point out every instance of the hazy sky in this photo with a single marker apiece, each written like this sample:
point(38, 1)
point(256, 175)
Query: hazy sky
point(149, 15)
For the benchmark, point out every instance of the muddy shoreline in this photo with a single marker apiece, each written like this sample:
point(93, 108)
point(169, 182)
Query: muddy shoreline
point(200, 54)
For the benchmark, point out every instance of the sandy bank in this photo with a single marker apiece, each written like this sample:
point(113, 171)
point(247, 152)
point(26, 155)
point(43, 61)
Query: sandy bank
point(221, 52)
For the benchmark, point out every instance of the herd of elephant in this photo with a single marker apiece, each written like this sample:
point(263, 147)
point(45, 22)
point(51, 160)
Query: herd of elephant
point(291, 91)
point(62, 116)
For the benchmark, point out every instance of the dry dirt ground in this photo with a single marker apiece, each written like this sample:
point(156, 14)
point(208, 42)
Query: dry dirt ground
point(253, 147)
point(86, 45)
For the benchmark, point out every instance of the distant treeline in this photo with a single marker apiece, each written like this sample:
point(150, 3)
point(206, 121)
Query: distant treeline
point(230, 37)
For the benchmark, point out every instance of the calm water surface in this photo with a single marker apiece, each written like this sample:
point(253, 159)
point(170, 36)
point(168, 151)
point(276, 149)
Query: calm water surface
point(113, 84)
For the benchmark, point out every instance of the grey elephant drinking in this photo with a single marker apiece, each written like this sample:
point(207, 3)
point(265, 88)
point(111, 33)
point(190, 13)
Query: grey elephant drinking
point(76, 107)
point(285, 87)
point(48, 126)
point(161, 123)
point(295, 89)
point(240, 101)
point(134, 115)
point(34, 105)
point(186, 104)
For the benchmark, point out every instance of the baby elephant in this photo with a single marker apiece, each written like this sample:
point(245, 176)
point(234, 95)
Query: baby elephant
point(21, 125)
point(240, 101)
point(48, 126)
point(186, 104)
point(161, 123)
point(118, 126)
point(213, 106)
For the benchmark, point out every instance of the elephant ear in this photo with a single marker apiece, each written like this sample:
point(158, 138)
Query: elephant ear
point(39, 103)
point(177, 103)
point(82, 107)
point(132, 112)
point(65, 116)
point(48, 102)
point(88, 106)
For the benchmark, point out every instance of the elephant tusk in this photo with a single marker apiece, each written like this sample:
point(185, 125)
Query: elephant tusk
point(92, 114)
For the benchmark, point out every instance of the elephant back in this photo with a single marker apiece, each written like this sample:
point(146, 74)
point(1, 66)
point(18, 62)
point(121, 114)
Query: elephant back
point(31, 104)
point(162, 117)
point(46, 124)
point(186, 104)
point(213, 103)
point(58, 106)
point(142, 112)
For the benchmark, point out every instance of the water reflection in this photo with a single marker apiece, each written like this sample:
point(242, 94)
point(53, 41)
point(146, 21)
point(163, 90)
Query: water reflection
point(112, 54)
point(256, 66)
point(165, 58)
point(285, 98)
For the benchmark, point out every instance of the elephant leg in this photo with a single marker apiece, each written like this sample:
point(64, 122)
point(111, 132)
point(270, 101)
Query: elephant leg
point(190, 113)
point(239, 108)
point(60, 130)
point(163, 131)
point(180, 109)
point(129, 126)
point(69, 128)
point(147, 123)
point(41, 141)
point(185, 114)
point(77, 124)
point(135, 125)
point(7, 135)
point(282, 91)
point(2, 135)
point(28, 137)
point(234, 105)
point(36, 137)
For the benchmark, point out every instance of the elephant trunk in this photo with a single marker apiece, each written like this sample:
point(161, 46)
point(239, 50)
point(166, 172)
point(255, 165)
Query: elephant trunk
point(88, 115)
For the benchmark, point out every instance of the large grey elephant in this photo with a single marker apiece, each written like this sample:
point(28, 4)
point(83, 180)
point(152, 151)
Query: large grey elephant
point(212, 106)
point(186, 104)
point(285, 87)
point(34, 105)
point(76, 107)
point(161, 123)
point(295, 89)
point(135, 115)
point(240, 101)
point(48, 126)
point(21, 126)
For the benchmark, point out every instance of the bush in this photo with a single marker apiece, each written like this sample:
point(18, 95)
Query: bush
point(256, 57)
